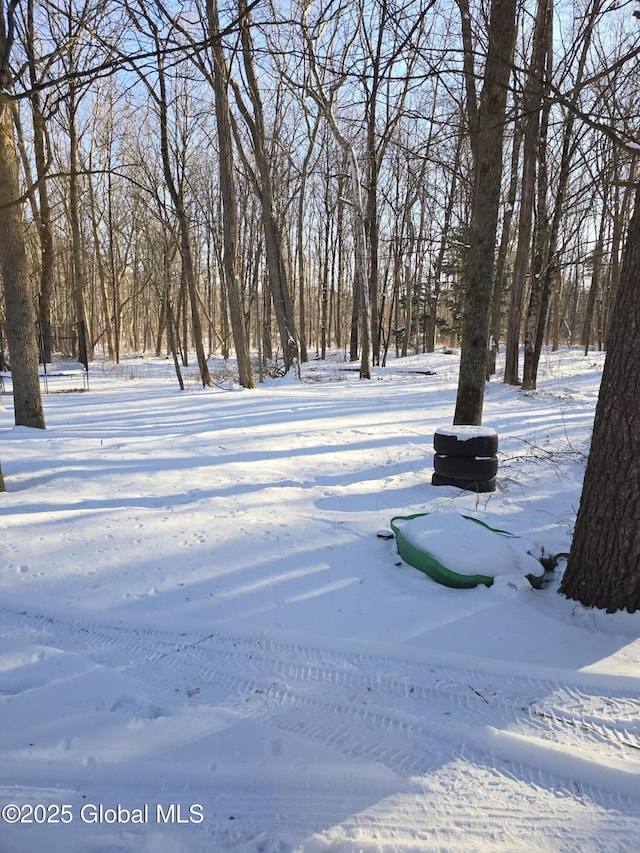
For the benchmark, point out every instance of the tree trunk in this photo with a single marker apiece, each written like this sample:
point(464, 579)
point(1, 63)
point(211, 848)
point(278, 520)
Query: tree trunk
point(439, 264)
point(176, 193)
point(282, 302)
point(326, 261)
point(371, 228)
point(302, 314)
point(542, 286)
point(555, 334)
point(469, 78)
point(604, 564)
point(500, 282)
point(171, 332)
point(532, 102)
point(595, 283)
point(361, 290)
point(338, 274)
point(77, 250)
point(47, 255)
point(621, 210)
point(19, 298)
point(484, 221)
point(360, 260)
point(229, 199)
point(540, 292)
point(102, 278)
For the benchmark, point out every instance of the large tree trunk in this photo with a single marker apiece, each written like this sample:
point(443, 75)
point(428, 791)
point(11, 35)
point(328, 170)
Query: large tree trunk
point(484, 221)
point(19, 298)
point(604, 564)
point(620, 212)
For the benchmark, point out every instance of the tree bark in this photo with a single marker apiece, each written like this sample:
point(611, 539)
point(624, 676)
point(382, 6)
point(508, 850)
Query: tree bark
point(621, 210)
point(484, 221)
point(540, 296)
point(531, 105)
point(19, 298)
point(434, 296)
point(302, 314)
point(229, 198)
point(47, 255)
point(596, 267)
point(102, 278)
point(469, 78)
point(77, 249)
point(500, 282)
point(604, 564)
point(540, 292)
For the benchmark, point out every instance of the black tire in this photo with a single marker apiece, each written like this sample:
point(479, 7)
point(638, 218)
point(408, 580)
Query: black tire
point(465, 467)
point(478, 486)
point(457, 445)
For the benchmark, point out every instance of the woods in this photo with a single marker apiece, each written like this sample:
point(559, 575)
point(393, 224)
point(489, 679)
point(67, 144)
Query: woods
point(272, 180)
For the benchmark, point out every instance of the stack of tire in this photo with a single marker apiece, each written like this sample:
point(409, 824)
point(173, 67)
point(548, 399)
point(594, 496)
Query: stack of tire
point(465, 457)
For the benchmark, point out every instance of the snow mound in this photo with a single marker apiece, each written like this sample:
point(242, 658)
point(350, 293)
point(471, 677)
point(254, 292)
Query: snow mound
point(462, 545)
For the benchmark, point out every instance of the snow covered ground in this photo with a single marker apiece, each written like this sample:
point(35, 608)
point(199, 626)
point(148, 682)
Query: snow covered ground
point(205, 645)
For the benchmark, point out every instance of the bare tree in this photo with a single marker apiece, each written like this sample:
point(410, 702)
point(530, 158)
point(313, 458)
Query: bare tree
point(387, 45)
point(488, 174)
point(175, 186)
point(542, 283)
point(531, 108)
point(262, 180)
point(315, 89)
point(19, 297)
point(300, 248)
point(229, 195)
point(500, 282)
point(47, 256)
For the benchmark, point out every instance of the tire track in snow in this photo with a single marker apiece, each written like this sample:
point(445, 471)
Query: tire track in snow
point(536, 729)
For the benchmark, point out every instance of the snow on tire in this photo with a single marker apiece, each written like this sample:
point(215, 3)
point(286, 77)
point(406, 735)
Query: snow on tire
point(466, 467)
point(466, 441)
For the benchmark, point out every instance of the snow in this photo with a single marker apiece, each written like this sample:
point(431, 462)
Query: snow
point(204, 645)
point(463, 432)
point(467, 548)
